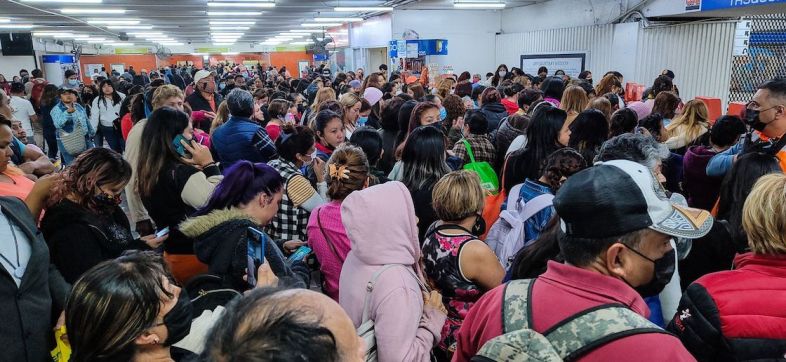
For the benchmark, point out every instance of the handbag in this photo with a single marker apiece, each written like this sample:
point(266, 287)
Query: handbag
point(366, 329)
point(488, 178)
point(74, 142)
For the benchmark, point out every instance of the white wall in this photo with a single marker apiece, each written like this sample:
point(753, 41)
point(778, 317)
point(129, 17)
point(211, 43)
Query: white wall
point(371, 33)
point(10, 65)
point(470, 34)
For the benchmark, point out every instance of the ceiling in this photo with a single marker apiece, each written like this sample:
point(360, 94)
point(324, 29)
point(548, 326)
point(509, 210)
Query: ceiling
point(186, 21)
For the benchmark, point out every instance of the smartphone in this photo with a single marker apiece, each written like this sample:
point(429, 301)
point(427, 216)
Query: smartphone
point(162, 232)
point(300, 254)
point(181, 150)
point(255, 249)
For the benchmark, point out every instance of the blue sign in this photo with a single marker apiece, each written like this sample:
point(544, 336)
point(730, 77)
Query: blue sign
point(63, 59)
point(398, 49)
point(707, 5)
point(321, 57)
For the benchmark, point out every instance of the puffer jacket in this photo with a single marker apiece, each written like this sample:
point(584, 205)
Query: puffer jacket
point(505, 135)
point(494, 113)
point(736, 315)
point(220, 242)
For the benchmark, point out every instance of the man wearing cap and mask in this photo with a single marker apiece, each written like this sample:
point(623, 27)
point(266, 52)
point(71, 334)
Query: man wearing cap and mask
point(615, 236)
point(766, 115)
point(205, 97)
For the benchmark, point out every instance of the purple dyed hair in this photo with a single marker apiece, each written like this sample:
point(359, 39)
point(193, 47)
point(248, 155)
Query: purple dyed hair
point(242, 182)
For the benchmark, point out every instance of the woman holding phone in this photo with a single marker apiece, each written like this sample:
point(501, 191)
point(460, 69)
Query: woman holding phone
point(245, 201)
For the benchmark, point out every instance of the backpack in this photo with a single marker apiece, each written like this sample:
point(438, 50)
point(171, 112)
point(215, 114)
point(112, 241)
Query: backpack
point(37, 92)
point(567, 340)
point(507, 236)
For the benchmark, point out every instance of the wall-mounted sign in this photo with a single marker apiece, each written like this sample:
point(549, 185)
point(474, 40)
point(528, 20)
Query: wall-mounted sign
point(572, 63)
point(707, 5)
point(742, 35)
point(417, 48)
point(692, 5)
point(212, 50)
point(131, 50)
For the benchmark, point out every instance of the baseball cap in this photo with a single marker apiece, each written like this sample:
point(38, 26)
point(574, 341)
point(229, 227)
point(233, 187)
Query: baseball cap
point(668, 73)
point(355, 83)
point(617, 197)
point(67, 90)
point(203, 74)
point(411, 79)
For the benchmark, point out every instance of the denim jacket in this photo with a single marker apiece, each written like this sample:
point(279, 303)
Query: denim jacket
point(66, 121)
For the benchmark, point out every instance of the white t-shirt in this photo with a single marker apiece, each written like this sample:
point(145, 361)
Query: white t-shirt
point(23, 109)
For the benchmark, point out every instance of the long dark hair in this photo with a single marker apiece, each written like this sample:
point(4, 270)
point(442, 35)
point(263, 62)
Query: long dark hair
point(553, 87)
point(114, 303)
point(588, 132)
point(115, 95)
point(423, 158)
point(242, 182)
point(49, 97)
point(404, 114)
point(542, 136)
point(94, 168)
point(531, 261)
point(623, 121)
point(737, 185)
point(163, 125)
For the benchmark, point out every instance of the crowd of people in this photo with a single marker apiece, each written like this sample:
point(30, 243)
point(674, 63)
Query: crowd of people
point(236, 214)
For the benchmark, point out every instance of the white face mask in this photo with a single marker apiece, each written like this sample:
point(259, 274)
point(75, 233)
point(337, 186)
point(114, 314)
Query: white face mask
point(502, 73)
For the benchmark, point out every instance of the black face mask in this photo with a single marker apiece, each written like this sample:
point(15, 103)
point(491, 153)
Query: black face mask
point(107, 200)
point(301, 108)
point(661, 274)
point(480, 226)
point(178, 320)
point(752, 119)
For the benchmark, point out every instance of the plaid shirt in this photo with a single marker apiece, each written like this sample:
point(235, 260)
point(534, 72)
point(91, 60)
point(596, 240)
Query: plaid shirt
point(290, 222)
point(482, 149)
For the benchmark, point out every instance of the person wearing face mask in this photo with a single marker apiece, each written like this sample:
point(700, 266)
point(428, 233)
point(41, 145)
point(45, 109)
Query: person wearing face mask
point(66, 115)
point(205, 97)
point(765, 114)
point(615, 237)
point(128, 309)
point(71, 80)
point(85, 201)
point(500, 75)
point(461, 266)
point(240, 138)
point(475, 132)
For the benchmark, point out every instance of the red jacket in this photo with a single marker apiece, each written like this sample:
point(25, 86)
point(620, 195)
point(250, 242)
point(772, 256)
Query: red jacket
point(510, 106)
point(737, 314)
point(562, 291)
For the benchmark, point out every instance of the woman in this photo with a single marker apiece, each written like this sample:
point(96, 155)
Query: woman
point(296, 149)
point(176, 176)
point(322, 95)
point(132, 110)
point(689, 128)
point(85, 201)
point(48, 101)
point(105, 110)
point(511, 136)
point(574, 101)
point(247, 197)
point(348, 171)
point(13, 181)
point(500, 75)
point(278, 112)
point(408, 321)
point(330, 133)
point(492, 108)
point(553, 88)
point(722, 314)
point(89, 93)
point(455, 261)
point(547, 133)
point(424, 114)
point(5, 85)
point(454, 117)
point(464, 85)
point(603, 105)
point(375, 80)
point(588, 132)
point(667, 104)
point(350, 108)
point(389, 132)
point(68, 116)
point(222, 115)
point(623, 121)
point(129, 310)
point(609, 84)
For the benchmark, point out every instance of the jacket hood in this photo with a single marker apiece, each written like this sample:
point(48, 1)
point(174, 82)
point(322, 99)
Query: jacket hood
point(198, 227)
point(494, 108)
point(698, 155)
point(213, 231)
point(381, 234)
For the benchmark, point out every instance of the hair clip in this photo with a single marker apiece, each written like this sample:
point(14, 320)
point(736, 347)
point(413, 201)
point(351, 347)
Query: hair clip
point(340, 172)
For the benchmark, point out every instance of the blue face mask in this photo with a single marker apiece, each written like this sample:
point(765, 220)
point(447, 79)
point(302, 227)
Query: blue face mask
point(73, 82)
point(443, 113)
point(362, 121)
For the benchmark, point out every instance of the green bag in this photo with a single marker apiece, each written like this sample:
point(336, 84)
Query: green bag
point(488, 178)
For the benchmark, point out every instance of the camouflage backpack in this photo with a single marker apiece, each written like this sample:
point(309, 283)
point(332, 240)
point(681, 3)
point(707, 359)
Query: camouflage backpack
point(565, 341)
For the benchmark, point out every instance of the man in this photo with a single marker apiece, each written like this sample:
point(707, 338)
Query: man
point(23, 109)
point(30, 289)
point(383, 68)
point(241, 138)
point(615, 238)
point(24, 75)
point(270, 324)
point(71, 80)
point(34, 88)
point(766, 114)
point(94, 75)
point(103, 72)
point(205, 98)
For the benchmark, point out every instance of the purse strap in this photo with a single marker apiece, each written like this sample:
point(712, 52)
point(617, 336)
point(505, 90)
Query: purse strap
point(324, 234)
point(373, 281)
point(469, 150)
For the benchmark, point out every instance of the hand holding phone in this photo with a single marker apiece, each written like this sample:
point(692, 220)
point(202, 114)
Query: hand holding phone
point(162, 232)
point(301, 253)
point(255, 253)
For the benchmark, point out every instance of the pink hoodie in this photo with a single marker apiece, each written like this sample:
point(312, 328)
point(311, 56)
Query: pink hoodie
point(381, 234)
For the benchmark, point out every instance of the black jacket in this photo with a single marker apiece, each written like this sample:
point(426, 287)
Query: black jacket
point(101, 237)
point(220, 241)
point(26, 311)
point(494, 113)
point(199, 103)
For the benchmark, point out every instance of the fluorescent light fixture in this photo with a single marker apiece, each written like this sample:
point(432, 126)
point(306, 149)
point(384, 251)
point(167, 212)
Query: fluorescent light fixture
point(130, 27)
point(199, 54)
point(240, 5)
point(63, 36)
point(227, 34)
point(92, 11)
point(328, 20)
point(231, 22)
point(171, 43)
point(5, 20)
point(363, 8)
point(81, 37)
point(304, 31)
point(319, 25)
point(234, 13)
point(16, 26)
point(150, 33)
point(64, 1)
point(45, 33)
point(479, 5)
point(230, 53)
point(221, 28)
point(112, 22)
point(224, 43)
point(96, 41)
point(119, 44)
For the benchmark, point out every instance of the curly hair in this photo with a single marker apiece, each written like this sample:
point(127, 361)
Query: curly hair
point(562, 163)
point(94, 168)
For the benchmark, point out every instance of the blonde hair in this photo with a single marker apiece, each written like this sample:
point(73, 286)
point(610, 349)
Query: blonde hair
point(323, 94)
point(693, 120)
point(347, 101)
point(222, 114)
point(603, 105)
point(164, 92)
point(457, 195)
point(574, 99)
point(443, 87)
point(764, 215)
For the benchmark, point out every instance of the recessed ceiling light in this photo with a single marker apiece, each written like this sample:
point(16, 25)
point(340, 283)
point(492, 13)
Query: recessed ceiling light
point(130, 27)
point(17, 26)
point(227, 34)
point(120, 44)
point(230, 27)
point(150, 33)
point(363, 8)
point(306, 31)
point(234, 13)
point(92, 11)
point(478, 5)
point(328, 20)
point(223, 43)
point(5, 20)
point(240, 5)
point(64, 1)
point(317, 25)
point(112, 22)
point(231, 22)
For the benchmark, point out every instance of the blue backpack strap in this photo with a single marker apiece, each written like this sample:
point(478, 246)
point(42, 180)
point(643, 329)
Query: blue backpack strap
point(516, 309)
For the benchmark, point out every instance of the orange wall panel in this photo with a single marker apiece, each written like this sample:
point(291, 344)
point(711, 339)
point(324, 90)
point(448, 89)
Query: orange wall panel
point(290, 60)
point(142, 61)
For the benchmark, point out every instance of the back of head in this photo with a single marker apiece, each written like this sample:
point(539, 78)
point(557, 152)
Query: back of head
point(653, 124)
point(370, 141)
point(661, 84)
point(764, 216)
point(574, 99)
point(603, 105)
point(242, 182)
point(163, 125)
point(633, 147)
point(529, 96)
point(294, 140)
point(347, 171)
point(240, 103)
point(278, 108)
point(739, 181)
point(17, 88)
point(553, 87)
point(390, 111)
point(404, 115)
point(489, 96)
point(476, 92)
point(457, 196)
point(477, 122)
point(694, 114)
point(623, 121)
point(454, 106)
point(726, 131)
point(562, 164)
point(423, 157)
point(589, 130)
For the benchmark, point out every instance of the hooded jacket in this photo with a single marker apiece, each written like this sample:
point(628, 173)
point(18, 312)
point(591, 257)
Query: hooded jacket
point(700, 189)
point(494, 113)
point(406, 330)
point(220, 242)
